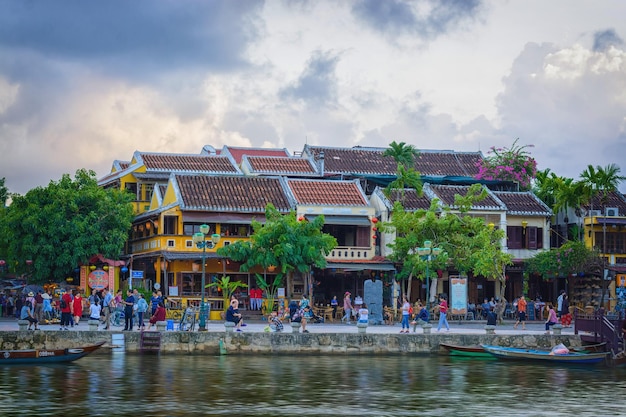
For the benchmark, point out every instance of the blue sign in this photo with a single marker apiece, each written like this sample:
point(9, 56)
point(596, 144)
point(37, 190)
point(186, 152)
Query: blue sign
point(137, 274)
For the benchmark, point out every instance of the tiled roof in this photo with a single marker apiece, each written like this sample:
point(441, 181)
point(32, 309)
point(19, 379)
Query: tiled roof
point(238, 153)
point(613, 199)
point(191, 163)
point(447, 163)
point(231, 193)
point(354, 160)
point(446, 193)
point(410, 200)
point(371, 161)
point(333, 193)
point(522, 203)
point(279, 165)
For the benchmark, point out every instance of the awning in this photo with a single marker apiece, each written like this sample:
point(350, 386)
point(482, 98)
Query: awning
point(169, 256)
point(343, 220)
point(361, 266)
point(610, 220)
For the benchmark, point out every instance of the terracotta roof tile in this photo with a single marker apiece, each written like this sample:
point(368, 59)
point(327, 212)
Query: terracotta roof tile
point(194, 163)
point(410, 201)
point(231, 193)
point(238, 153)
point(280, 165)
point(371, 161)
point(333, 193)
point(522, 202)
point(446, 194)
point(613, 199)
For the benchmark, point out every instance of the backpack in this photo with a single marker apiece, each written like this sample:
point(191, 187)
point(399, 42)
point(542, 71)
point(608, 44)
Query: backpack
point(63, 304)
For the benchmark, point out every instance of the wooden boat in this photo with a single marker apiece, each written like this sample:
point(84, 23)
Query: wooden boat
point(474, 351)
point(510, 353)
point(46, 355)
point(597, 347)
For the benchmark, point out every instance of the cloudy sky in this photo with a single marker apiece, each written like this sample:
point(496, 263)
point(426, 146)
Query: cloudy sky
point(83, 83)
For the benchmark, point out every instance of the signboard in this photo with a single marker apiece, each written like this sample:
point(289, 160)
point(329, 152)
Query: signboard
point(137, 274)
point(98, 280)
point(281, 293)
point(620, 280)
point(458, 294)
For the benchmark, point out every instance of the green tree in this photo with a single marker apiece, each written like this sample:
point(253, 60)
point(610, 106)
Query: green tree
point(4, 193)
point(406, 175)
point(469, 245)
point(64, 224)
point(285, 242)
point(571, 258)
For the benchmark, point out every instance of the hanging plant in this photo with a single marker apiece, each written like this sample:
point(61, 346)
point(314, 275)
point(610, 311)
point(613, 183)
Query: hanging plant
point(509, 164)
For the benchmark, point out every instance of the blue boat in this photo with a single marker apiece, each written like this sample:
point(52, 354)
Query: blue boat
point(522, 354)
point(38, 356)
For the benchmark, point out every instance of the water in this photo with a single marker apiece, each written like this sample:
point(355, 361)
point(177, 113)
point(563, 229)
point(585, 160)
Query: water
point(121, 385)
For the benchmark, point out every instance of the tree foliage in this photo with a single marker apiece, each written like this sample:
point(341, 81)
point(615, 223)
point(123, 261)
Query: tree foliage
point(509, 164)
point(571, 258)
point(64, 224)
point(468, 244)
point(284, 242)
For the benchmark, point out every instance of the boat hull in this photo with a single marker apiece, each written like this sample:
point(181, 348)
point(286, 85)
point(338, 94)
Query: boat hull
point(471, 351)
point(508, 353)
point(30, 356)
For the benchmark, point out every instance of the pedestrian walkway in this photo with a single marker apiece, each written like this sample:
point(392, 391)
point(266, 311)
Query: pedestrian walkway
point(465, 327)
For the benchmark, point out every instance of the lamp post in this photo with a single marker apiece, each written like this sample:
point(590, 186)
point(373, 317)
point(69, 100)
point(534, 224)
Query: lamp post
point(200, 240)
point(428, 253)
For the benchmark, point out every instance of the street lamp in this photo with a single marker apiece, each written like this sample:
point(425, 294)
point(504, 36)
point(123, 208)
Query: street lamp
point(200, 240)
point(428, 253)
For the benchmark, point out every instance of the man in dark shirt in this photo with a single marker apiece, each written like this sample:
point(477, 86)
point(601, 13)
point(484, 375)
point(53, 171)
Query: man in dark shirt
point(233, 314)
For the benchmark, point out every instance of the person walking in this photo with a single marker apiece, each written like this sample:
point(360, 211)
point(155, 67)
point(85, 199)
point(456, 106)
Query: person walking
point(142, 308)
point(107, 303)
point(128, 311)
point(77, 311)
point(443, 313)
point(47, 307)
point(334, 304)
point(521, 312)
point(406, 306)
point(65, 305)
point(38, 307)
point(347, 308)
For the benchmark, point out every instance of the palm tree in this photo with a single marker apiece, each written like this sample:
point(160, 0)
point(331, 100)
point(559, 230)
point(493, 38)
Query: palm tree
point(402, 153)
point(568, 194)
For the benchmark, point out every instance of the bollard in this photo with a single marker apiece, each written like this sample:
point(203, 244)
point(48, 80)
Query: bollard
point(295, 326)
point(556, 329)
point(490, 329)
point(361, 327)
point(93, 325)
point(23, 325)
point(161, 326)
point(427, 328)
point(229, 326)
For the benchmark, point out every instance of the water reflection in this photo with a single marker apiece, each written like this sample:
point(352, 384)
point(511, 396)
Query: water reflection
point(307, 385)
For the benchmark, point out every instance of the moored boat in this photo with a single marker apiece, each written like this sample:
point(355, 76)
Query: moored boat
point(473, 351)
point(511, 353)
point(27, 356)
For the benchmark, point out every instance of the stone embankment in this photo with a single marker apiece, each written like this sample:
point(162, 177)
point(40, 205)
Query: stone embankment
point(179, 342)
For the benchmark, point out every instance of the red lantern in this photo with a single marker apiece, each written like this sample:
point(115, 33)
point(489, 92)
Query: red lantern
point(374, 220)
point(374, 228)
point(373, 236)
point(300, 218)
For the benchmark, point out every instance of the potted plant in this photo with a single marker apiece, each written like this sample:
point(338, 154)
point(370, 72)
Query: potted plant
point(227, 287)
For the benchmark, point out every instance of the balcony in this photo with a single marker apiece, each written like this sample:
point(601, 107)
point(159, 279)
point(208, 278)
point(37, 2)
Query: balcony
point(351, 253)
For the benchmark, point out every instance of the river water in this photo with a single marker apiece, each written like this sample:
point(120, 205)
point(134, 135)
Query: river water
point(397, 385)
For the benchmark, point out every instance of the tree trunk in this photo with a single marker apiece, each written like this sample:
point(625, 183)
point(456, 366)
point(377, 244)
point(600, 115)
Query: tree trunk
point(408, 289)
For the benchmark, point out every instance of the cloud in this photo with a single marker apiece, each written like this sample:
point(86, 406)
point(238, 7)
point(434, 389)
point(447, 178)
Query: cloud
point(603, 40)
point(426, 18)
point(317, 85)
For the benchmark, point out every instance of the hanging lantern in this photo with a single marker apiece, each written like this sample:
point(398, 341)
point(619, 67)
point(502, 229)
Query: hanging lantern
point(301, 219)
point(92, 267)
point(374, 220)
point(374, 228)
point(374, 237)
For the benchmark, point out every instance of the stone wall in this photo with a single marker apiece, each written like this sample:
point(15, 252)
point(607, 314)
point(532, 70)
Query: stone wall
point(283, 343)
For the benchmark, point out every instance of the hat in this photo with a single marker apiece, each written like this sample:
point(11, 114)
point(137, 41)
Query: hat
point(45, 296)
point(347, 293)
point(30, 294)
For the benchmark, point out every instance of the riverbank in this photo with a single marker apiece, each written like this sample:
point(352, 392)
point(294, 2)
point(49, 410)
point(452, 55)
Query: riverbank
point(324, 338)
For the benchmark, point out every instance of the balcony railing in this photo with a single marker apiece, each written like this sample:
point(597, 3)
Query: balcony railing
point(351, 253)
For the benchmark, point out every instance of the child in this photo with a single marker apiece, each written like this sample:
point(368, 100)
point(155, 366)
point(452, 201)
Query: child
point(275, 324)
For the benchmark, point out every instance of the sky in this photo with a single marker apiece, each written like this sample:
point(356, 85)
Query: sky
point(84, 83)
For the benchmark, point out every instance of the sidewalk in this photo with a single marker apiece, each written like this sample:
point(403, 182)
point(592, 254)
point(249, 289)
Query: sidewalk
point(257, 326)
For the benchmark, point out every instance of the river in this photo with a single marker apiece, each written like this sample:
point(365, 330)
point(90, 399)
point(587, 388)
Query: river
point(396, 385)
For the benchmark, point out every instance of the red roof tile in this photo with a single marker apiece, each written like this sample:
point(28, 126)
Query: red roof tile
point(280, 165)
point(446, 194)
point(231, 193)
point(410, 200)
point(180, 162)
point(333, 193)
point(238, 153)
point(522, 202)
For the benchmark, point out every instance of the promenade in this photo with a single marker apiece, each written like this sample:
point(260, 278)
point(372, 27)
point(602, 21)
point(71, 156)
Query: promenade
point(257, 326)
